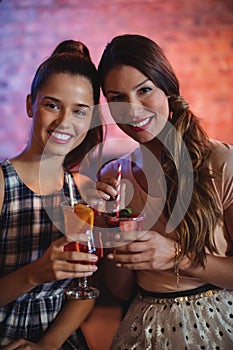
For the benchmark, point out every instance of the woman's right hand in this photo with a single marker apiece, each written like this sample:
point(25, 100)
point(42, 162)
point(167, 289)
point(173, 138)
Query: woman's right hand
point(23, 344)
point(144, 250)
point(53, 264)
point(107, 190)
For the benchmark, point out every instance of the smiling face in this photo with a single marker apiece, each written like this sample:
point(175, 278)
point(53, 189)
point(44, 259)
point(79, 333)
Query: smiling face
point(138, 106)
point(61, 113)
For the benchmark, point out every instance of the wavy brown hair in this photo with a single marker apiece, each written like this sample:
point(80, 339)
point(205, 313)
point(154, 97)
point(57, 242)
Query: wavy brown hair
point(199, 219)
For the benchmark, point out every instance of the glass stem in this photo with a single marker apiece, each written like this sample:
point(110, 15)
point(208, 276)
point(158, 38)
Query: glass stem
point(82, 282)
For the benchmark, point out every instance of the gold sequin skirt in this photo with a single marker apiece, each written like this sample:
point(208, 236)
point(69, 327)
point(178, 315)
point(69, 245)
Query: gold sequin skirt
point(198, 319)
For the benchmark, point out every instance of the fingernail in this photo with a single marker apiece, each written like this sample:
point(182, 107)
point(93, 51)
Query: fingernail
point(118, 265)
point(94, 268)
point(114, 193)
point(94, 258)
point(110, 256)
point(106, 196)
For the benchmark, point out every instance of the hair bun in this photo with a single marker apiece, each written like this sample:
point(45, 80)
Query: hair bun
point(72, 46)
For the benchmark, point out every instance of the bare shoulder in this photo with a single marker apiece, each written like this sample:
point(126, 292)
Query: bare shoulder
point(2, 182)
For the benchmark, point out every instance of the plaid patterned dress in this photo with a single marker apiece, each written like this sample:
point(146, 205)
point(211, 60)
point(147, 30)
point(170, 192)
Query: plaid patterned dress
point(28, 224)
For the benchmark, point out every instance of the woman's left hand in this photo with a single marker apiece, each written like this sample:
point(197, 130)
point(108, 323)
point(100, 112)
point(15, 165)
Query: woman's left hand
point(144, 251)
point(23, 344)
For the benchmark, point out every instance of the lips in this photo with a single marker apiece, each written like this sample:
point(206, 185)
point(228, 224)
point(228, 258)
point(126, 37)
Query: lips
point(142, 124)
point(60, 137)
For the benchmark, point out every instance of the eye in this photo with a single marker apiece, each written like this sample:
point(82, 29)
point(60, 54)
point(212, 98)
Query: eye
point(144, 90)
point(52, 105)
point(81, 113)
point(115, 98)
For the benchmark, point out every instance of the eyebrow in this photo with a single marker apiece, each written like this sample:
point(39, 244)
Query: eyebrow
point(57, 100)
point(137, 86)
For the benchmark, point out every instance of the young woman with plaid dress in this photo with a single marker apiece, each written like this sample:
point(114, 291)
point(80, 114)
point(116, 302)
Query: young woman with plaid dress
point(34, 271)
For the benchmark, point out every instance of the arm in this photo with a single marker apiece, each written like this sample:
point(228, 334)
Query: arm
point(72, 315)
point(218, 270)
point(152, 251)
point(50, 267)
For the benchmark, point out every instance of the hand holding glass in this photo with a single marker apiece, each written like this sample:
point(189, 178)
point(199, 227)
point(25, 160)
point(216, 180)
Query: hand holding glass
point(120, 224)
point(79, 223)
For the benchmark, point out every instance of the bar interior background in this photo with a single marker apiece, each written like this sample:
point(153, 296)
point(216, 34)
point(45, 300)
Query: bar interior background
point(196, 35)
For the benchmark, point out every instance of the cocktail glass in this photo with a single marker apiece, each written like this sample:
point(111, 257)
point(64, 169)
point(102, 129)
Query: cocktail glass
point(79, 224)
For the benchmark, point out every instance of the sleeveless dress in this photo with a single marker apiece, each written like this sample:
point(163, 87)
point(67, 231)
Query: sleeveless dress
point(29, 223)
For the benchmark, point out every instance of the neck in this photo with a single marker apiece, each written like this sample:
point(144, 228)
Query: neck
point(151, 159)
point(153, 147)
point(51, 173)
point(43, 174)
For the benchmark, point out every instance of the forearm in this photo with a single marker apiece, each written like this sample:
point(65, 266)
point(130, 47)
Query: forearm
point(72, 315)
point(217, 271)
point(15, 284)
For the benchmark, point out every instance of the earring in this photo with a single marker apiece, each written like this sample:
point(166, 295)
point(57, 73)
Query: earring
point(170, 115)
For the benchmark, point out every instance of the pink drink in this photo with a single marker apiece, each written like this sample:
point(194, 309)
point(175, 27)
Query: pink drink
point(133, 222)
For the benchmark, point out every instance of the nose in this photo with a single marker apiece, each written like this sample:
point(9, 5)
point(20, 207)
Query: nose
point(64, 117)
point(135, 109)
point(130, 110)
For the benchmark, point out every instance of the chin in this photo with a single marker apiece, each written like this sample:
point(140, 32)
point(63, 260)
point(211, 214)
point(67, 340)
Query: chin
point(146, 140)
point(143, 137)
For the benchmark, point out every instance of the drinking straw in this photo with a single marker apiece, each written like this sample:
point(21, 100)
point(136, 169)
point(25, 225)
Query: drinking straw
point(70, 190)
point(118, 198)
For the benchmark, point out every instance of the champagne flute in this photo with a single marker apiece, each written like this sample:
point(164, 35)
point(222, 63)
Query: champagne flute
point(79, 223)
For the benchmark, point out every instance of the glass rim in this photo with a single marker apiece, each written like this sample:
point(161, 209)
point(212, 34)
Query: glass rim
point(140, 216)
point(76, 201)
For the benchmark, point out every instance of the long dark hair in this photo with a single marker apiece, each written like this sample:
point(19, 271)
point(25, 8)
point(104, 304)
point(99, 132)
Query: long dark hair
point(73, 57)
point(195, 231)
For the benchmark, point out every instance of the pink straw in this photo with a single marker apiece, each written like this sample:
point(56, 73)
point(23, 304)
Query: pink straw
point(118, 198)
